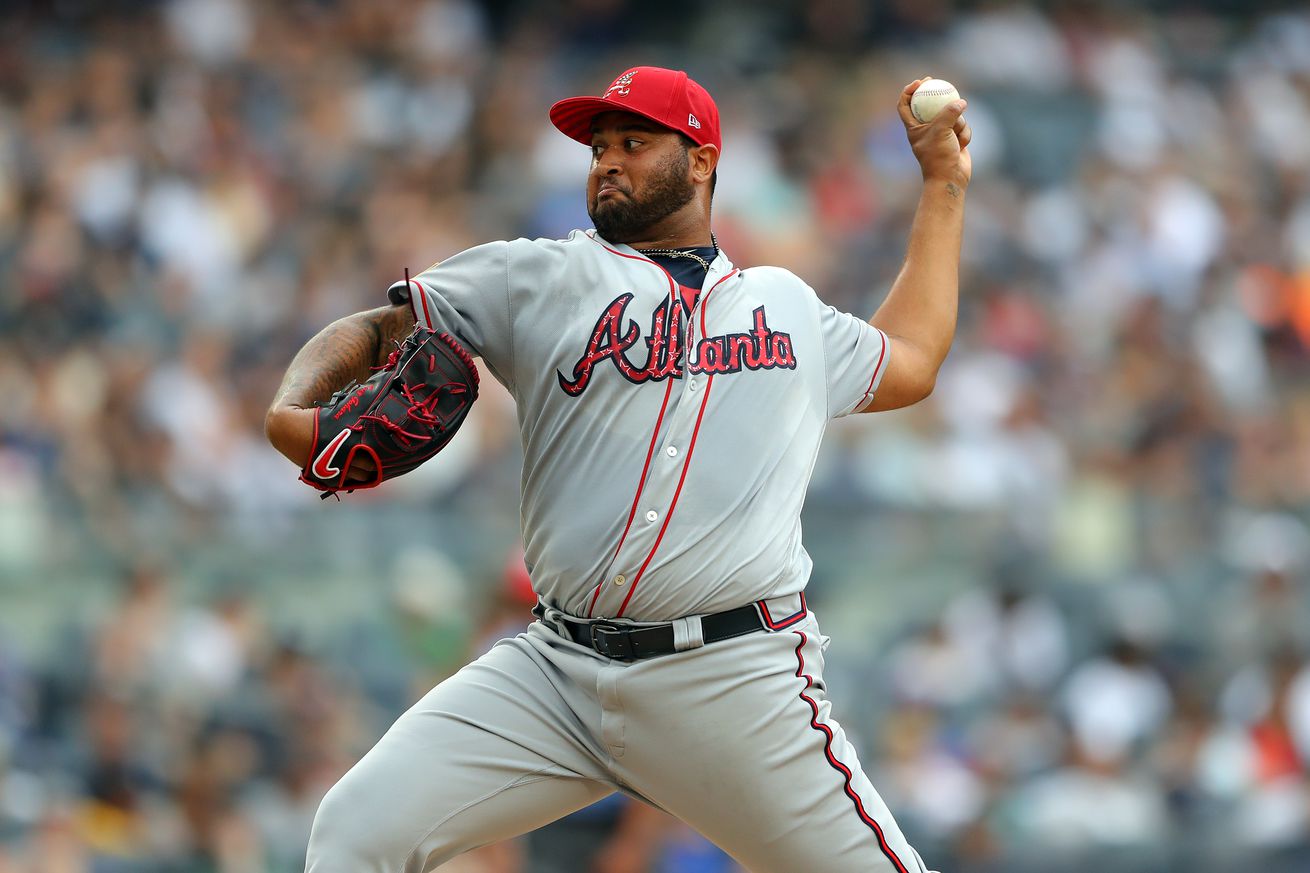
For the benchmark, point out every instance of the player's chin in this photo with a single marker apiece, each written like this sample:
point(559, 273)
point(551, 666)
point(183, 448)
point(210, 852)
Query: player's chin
point(610, 217)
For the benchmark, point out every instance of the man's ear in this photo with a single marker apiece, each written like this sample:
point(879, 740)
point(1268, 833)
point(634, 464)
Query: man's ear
point(703, 160)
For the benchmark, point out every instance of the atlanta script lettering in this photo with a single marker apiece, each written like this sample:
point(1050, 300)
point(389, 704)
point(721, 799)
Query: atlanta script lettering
point(759, 348)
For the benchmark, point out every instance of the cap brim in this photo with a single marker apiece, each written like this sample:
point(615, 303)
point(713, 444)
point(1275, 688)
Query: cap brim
point(573, 116)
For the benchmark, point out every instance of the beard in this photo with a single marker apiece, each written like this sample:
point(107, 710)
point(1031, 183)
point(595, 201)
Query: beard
point(624, 218)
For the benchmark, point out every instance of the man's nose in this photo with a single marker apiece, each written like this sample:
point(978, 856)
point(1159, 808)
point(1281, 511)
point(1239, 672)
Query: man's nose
point(609, 163)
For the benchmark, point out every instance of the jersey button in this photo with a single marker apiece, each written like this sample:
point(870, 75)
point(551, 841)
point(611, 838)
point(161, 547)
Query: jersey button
point(671, 451)
point(620, 579)
point(652, 515)
point(691, 386)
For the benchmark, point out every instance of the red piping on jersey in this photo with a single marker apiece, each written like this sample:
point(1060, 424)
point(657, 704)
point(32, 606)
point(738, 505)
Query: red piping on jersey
point(706, 302)
point(654, 437)
point(647, 260)
point(686, 463)
point(784, 623)
point(709, 383)
point(838, 765)
point(876, 367)
point(636, 498)
point(672, 281)
point(422, 296)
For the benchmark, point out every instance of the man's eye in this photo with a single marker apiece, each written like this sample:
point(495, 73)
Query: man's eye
point(632, 143)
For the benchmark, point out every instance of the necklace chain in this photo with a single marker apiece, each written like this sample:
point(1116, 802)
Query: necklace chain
point(674, 253)
point(679, 253)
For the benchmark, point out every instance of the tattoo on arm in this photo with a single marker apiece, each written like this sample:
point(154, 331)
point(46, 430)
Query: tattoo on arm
point(343, 351)
point(953, 190)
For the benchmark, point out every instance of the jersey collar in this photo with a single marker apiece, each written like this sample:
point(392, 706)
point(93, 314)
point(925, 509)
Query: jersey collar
point(720, 266)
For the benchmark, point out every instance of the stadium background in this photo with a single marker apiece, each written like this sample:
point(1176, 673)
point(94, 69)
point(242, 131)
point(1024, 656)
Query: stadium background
point(1067, 591)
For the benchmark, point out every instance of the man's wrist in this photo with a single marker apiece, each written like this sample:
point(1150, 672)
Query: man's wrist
point(948, 192)
point(952, 185)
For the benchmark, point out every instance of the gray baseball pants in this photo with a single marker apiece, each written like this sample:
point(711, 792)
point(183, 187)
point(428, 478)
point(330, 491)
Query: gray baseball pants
point(734, 738)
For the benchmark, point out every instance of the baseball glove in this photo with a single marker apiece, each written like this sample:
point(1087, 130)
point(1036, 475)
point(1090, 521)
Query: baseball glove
point(402, 415)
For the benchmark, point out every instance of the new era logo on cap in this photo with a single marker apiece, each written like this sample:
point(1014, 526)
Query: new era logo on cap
point(667, 97)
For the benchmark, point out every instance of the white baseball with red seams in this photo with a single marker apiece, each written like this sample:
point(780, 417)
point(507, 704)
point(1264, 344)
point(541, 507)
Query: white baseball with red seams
point(931, 97)
point(668, 441)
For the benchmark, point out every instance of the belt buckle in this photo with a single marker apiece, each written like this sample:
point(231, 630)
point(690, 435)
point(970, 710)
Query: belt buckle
point(611, 640)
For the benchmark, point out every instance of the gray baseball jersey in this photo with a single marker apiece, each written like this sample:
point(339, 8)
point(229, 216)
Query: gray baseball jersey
point(668, 439)
point(666, 451)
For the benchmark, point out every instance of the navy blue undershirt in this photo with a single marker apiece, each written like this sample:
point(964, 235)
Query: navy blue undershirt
point(686, 271)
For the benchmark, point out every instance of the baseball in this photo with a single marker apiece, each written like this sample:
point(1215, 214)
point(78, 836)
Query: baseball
point(929, 98)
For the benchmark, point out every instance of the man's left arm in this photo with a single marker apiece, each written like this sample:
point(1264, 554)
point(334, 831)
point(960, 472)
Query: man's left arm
point(918, 315)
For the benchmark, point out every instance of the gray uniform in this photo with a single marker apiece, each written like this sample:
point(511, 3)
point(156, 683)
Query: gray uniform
point(666, 457)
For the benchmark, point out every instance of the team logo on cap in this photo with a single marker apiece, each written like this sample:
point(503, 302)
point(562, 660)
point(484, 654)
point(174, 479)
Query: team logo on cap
point(621, 86)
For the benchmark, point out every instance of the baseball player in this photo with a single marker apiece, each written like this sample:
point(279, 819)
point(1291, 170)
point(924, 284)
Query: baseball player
point(670, 405)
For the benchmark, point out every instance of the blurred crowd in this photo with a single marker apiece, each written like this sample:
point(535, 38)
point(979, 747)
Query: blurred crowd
point(1112, 477)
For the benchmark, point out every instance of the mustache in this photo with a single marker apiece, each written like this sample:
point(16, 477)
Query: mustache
point(615, 186)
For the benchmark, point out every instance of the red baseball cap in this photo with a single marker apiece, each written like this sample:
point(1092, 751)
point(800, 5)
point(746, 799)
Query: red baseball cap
point(667, 97)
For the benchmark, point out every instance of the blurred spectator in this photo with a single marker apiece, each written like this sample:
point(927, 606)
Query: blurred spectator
point(1091, 801)
point(1115, 702)
point(1019, 638)
point(1258, 760)
point(935, 669)
point(932, 791)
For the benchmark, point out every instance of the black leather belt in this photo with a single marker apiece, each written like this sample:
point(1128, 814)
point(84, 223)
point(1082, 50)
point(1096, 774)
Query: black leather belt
point(631, 643)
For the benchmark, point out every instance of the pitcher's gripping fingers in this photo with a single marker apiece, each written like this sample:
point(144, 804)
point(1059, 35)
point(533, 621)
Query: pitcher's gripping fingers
point(941, 146)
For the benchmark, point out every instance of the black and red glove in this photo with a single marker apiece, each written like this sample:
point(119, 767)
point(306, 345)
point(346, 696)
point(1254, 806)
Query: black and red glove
point(400, 417)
